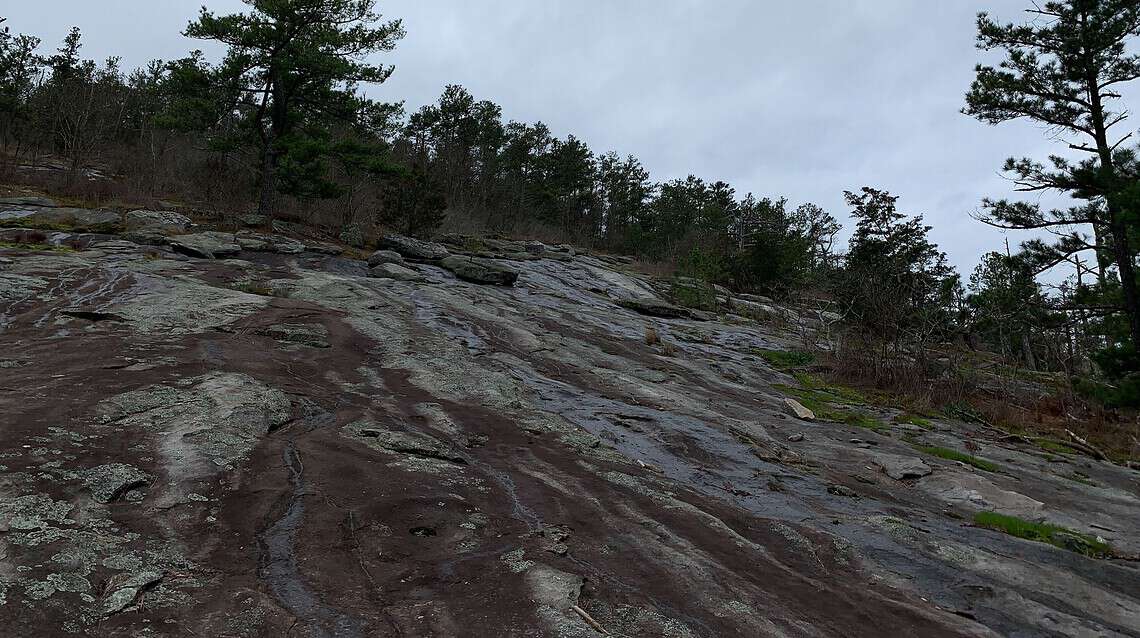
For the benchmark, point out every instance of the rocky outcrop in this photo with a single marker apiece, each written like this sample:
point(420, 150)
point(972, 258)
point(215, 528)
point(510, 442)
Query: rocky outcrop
point(395, 271)
point(159, 222)
point(479, 271)
point(413, 249)
point(61, 218)
point(207, 245)
point(257, 242)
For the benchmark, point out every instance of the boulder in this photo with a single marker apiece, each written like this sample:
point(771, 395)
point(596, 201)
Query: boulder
point(207, 245)
point(480, 271)
point(414, 249)
point(74, 219)
point(395, 271)
point(798, 410)
point(385, 257)
point(157, 221)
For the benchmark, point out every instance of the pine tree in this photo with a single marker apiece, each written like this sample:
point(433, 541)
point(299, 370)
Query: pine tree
point(1063, 69)
point(297, 66)
point(896, 285)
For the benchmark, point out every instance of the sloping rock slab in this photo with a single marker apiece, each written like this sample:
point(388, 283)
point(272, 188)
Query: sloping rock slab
point(970, 490)
point(413, 249)
point(655, 308)
point(207, 245)
point(480, 271)
point(76, 219)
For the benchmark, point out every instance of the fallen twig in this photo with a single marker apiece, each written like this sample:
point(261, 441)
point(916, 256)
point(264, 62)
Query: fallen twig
point(1088, 448)
point(1077, 444)
point(589, 620)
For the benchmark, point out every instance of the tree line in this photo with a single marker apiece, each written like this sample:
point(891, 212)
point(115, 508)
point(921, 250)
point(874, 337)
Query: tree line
point(281, 125)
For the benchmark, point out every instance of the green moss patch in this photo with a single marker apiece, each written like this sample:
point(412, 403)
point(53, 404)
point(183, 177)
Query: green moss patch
point(700, 296)
point(1054, 446)
point(914, 419)
point(786, 359)
point(829, 406)
point(955, 455)
point(1044, 533)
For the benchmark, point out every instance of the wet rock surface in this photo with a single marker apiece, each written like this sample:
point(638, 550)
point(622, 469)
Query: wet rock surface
point(276, 444)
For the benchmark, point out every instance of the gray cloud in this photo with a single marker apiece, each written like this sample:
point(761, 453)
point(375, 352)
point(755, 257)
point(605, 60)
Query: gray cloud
point(801, 99)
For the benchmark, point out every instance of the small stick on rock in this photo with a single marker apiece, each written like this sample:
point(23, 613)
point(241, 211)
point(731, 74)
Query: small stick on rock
point(589, 620)
point(1086, 447)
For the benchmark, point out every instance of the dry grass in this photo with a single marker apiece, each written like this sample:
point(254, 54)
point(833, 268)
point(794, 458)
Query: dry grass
point(1004, 399)
point(651, 336)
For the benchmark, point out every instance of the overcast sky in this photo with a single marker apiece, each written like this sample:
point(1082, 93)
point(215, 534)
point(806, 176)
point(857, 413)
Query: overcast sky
point(798, 99)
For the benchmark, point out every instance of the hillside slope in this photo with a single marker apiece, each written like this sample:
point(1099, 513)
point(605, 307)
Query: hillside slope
point(222, 435)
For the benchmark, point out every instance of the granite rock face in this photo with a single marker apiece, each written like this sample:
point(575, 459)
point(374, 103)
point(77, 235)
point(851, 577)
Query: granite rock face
point(286, 440)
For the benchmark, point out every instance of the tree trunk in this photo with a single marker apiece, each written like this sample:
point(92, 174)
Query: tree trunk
point(1027, 350)
point(1122, 253)
point(268, 179)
